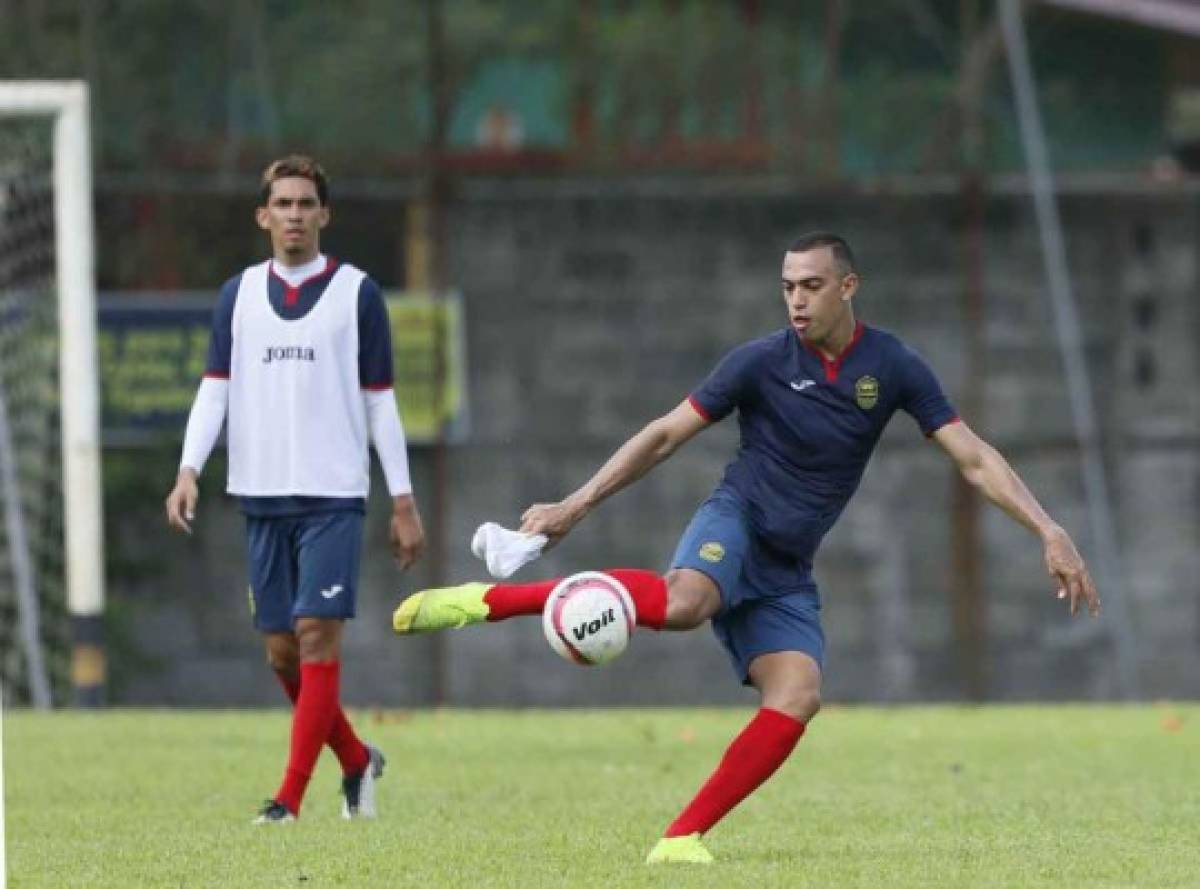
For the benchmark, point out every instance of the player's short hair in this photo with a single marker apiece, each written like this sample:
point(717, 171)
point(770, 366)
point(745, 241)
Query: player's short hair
point(842, 254)
point(300, 165)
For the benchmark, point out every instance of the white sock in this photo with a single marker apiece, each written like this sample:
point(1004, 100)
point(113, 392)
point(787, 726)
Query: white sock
point(503, 550)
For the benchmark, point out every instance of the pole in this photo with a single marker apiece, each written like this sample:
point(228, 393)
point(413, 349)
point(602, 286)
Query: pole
point(435, 244)
point(1070, 341)
point(79, 378)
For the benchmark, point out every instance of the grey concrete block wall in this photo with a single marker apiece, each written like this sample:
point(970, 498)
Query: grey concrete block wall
point(592, 308)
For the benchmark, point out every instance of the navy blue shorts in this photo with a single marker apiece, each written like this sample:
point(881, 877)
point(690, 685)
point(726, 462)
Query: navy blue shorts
point(303, 566)
point(768, 602)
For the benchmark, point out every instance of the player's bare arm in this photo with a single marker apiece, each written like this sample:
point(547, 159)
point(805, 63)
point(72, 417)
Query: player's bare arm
point(406, 531)
point(181, 502)
point(988, 471)
point(656, 441)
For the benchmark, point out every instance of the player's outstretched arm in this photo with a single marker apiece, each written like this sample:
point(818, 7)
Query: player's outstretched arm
point(657, 441)
point(984, 467)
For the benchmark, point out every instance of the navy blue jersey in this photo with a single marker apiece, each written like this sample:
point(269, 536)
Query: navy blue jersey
point(808, 426)
point(290, 303)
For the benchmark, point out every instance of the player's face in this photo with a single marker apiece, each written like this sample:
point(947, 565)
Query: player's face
point(816, 293)
point(294, 217)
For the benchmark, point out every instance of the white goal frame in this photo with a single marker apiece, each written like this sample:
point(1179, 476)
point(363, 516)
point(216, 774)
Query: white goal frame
point(66, 103)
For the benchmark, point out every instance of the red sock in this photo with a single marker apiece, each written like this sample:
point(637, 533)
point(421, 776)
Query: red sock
point(751, 759)
point(350, 751)
point(316, 707)
point(647, 589)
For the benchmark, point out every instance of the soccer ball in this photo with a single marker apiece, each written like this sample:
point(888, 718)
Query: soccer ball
point(588, 618)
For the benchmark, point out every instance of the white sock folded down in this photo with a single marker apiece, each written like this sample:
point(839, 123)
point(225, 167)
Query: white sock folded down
point(505, 551)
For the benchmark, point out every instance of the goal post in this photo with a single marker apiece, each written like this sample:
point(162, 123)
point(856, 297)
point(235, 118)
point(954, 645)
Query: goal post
point(65, 103)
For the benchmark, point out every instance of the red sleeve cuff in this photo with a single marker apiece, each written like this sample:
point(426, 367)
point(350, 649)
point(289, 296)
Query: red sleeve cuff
point(698, 408)
point(952, 420)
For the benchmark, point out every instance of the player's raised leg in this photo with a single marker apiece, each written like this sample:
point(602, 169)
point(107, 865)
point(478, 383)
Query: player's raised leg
point(681, 600)
point(790, 686)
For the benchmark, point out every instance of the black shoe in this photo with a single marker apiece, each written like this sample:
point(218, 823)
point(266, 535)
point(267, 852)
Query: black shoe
point(274, 812)
point(358, 791)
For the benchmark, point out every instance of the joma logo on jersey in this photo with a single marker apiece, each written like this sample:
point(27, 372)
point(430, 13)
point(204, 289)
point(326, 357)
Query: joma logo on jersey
point(289, 353)
point(592, 627)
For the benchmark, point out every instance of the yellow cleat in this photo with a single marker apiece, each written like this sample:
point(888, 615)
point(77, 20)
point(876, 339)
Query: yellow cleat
point(446, 608)
point(680, 850)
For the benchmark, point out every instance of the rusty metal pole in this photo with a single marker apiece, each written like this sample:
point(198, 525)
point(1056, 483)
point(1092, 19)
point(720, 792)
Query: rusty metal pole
point(433, 211)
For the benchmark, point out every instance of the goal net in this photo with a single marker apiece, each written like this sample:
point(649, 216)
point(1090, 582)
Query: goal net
point(51, 571)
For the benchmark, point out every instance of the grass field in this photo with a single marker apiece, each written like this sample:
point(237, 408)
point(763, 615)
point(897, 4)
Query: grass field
point(1031, 796)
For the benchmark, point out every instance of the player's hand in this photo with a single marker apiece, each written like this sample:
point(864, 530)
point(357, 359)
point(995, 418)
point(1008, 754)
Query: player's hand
point(181, 502)
point(555, 520)
point(1066, 566)
point(406, 532)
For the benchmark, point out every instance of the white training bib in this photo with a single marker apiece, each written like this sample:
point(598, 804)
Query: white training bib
point(297, 417)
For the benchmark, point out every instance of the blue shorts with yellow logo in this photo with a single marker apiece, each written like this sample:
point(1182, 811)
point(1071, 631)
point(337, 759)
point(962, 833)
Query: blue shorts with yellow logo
point(303, 566)
point(768, 603)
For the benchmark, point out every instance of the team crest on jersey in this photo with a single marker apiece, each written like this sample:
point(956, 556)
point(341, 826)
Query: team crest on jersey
point(866, 392)
point(712, 551)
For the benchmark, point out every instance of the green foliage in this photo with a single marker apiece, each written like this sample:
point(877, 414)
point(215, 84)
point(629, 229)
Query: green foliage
point(921, 797)
point(219, 85)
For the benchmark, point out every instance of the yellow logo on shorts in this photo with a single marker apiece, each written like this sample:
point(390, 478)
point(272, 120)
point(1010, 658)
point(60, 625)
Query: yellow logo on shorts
point(712, 551)
point(250, 596)
point(866, 392)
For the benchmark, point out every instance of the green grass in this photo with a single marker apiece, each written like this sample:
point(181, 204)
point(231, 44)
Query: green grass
point(1005, 796)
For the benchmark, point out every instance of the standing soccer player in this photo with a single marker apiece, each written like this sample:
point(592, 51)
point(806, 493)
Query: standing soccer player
point(301, 362)
point(812, 401)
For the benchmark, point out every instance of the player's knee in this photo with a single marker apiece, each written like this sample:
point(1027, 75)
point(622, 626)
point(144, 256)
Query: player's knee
point(802, 703)
point(285, 664)
point(318, 639)
point(690, 603)
point(283, 657)
point(682, 615)
point(685, 613)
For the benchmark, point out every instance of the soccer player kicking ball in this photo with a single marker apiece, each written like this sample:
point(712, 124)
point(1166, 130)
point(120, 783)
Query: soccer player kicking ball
point(813, 399)
point(300, 361)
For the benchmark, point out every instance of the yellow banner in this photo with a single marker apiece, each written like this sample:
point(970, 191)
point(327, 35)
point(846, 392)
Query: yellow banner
point(152, 354)
point(430, 368)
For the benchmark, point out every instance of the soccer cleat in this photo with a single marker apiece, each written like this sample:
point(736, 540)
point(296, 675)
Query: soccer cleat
point(274, 812)
point(358, 791)
point(445, 608)
point(686, 849)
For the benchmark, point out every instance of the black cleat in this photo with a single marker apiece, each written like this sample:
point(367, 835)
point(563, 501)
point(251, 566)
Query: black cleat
point(274, 812)
point(358, 791)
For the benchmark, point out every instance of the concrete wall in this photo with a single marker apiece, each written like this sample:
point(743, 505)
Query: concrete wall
point(592, 308)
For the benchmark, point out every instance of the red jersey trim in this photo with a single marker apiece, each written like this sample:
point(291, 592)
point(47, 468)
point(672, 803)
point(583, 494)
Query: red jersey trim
point(215, 375)
point(292, 294)
point(949, 422)
point(698, 409)
point(377, 387)
point(833, 366)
